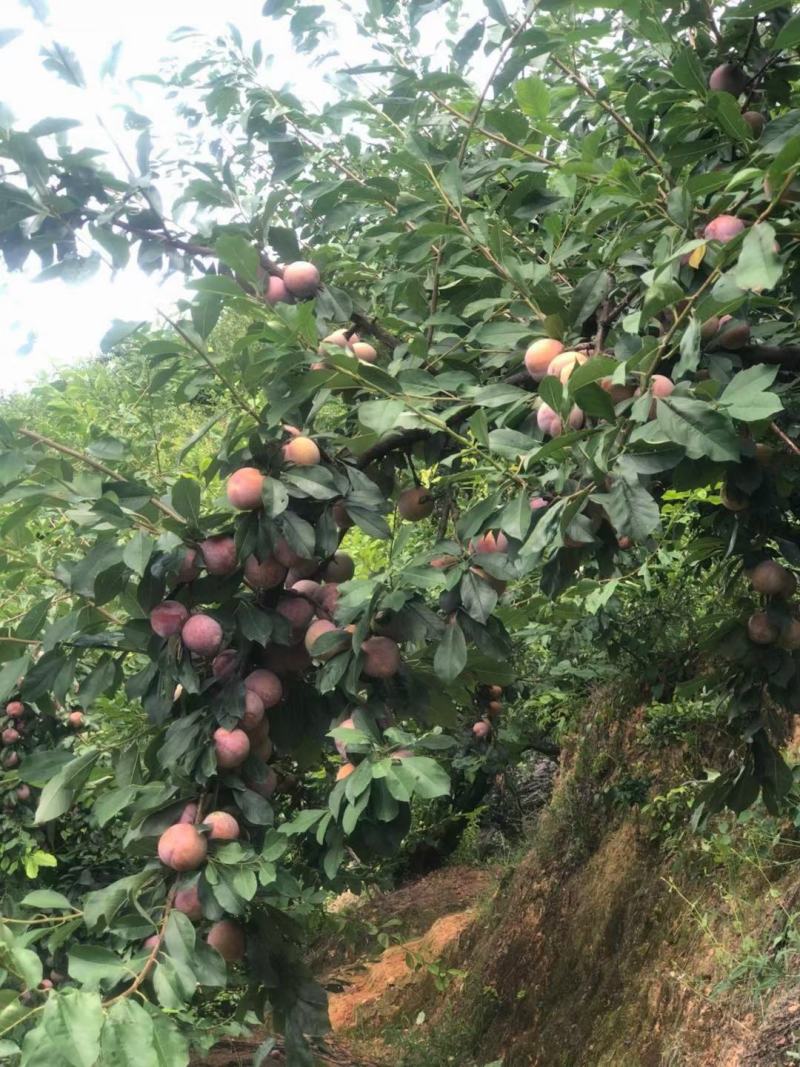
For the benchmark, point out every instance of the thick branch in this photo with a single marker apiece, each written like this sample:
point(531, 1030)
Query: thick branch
point(396, 442)
point(374, 329)
point(782, 355)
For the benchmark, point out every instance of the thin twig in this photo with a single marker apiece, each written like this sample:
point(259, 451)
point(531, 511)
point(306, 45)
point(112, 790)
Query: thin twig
point(786, 440)
point(66, 450)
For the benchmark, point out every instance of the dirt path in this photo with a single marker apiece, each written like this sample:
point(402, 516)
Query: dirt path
point(433, 912)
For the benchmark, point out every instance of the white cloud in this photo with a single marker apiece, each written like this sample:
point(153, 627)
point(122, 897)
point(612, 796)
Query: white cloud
point(56, 323)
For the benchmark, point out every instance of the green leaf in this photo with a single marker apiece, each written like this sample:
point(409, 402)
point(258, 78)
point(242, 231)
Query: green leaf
point(725, 109)
point(63, 62)
point(138, 551)
point(789, 35)
point(44, 899)
point(60, 792)
point(451, 181)
point(758, 266)
point(186, 496)
point(631, 509)
point(451, 655)
point(380, 416)
point(423, 776)
point(533, 96)
point(93, 967)
point(10, 674)
point(128, 1038)
point(746, 397)
point(73, 1021)
point(698, 428)
point(240, 256)
point(587, 295)
point(687, 70)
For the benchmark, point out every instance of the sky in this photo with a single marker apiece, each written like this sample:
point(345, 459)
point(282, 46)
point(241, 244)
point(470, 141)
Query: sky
point(51, 323)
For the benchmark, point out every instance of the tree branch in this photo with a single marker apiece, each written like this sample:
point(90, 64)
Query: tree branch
point(374, 329)
point(66, 450)
point(396, 442)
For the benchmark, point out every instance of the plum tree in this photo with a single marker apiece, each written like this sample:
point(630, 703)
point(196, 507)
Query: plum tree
point(459, 246)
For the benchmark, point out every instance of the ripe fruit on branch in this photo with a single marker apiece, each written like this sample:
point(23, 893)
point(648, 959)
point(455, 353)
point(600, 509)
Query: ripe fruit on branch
point(341, 746)
point(75, 719)
point(771, 579)
point(733, 498)
point(24, 793)
point(263, 574)
point(253, 710)
point(190, 567)
point(756, 121)
point(298, 612)
point(219, 555)
point(549, 422)
point(15, 709)
point(202, 635)
point(728, 78)
point(363, 351)
point(227, 937)
point(489, 542)
point(305, 587)
point(189, 813)
point(276, 292)
point(340, 568)
point(301, 279)
point(223, 826)
point(316, 630)
point(10, 760)
point(260, 743)
point(340, 516)
point(344, 772)
point(537, 503)
point(285, 554)
point(709, 328)
point(494, 708)
point(339, 338)
point(618, 393)
point(659, 387)
point(232, 747)
point(495, 691)
point(328, 599)
point(224, 664)
point(244, 488)
point(540, 355)
point(723, 228)
point(188, 901)
point(563, 365)
point(415, 504)
point(381, 657)
point(167, 618)
point(301, 451)
point(182, 847)
point(790, 637)
point(481, 730)
point(267, 786)
point(733, 334)
point(760, 630)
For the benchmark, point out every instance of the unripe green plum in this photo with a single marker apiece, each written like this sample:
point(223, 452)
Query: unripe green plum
point(182, 847)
